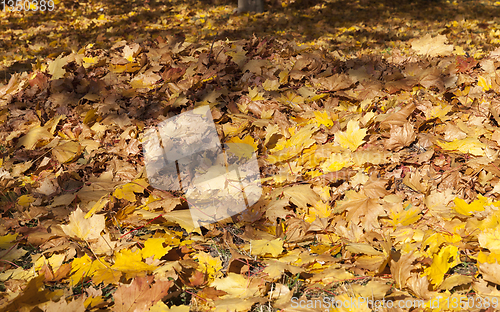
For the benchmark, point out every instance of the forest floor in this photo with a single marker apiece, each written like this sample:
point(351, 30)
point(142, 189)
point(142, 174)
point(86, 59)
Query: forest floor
point(374, 125)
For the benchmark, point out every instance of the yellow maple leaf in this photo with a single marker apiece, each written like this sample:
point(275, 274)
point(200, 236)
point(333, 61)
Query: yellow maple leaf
point(271, 85)
point(319, 210)
point(291, 99)
point(462, 207)
point(127, 191)
point(7, 241)
point(353, 137)
point(349, 304)
point(242, 148)
point(447, 258)
point(467, 146)
point(103, 273)
point(286, 149)
point(238, 286)
point(487, 257)
point(238, 57)
point(130, 262)
point(255, 95)
point(212, 266)
point(84, 229)
point(404, 216)
point(38, 133)
point(98, 206)
point(56, 69)
point(336, 162)
point(264, 246)
point(484, 82)
point(90, 61)
point(80, 268)
point(438, 111)
point(435, 240)
point(490, 239)
point(322, 118)
point(154, 247)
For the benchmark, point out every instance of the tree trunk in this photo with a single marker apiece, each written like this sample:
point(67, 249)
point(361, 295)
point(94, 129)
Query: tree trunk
point(250, 6)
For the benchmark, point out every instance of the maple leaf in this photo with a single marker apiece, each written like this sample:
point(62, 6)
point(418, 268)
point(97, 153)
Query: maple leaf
point(38, 133)
point(237, 305)
point(141, 294)
point(361, 209)
point(243, 148)
point(336, 162)
point(67, 151)
point(84, 229)
point(401, 270)
point(286, 149)
point(478, 205)
point(334, 83)
point(467, 146)
point(322, 118)
point(238, 57)
point(484, 83)
point(430, 46)
point(33, 294)
point(77, 305)
point(127, 191)
point(490, 239)
point(404, 216)
point(255, 95)
point(445, 259)
point(154, 247)
point(271, 85)
point(263, 247)
point(400, 137)
point(130, 262)
point(352, 138)
point(7, 241)
point(212, 266)
point(56, 69)
point(239, 286)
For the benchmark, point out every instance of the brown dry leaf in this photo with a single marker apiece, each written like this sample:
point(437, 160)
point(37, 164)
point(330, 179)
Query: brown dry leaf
point(400, 137)
point(372, 289)
point(239, 286)
point(398, 118)
point(334, 83)
point(64, 306)
point(455, 280)
point(300, 195)
point(141, 294)
point(432, 47)
point(375, 187)
point(38, 133)
point(415, 181)
point(361, 209)
point(236, 305)
point(275, 269)
point(420, 286)
point(31, 296)
point(67, 151)
point(401, 269)
point(490, 272)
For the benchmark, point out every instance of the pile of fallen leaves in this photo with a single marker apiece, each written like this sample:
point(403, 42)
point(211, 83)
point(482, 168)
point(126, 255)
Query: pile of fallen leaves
point(379, 174)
